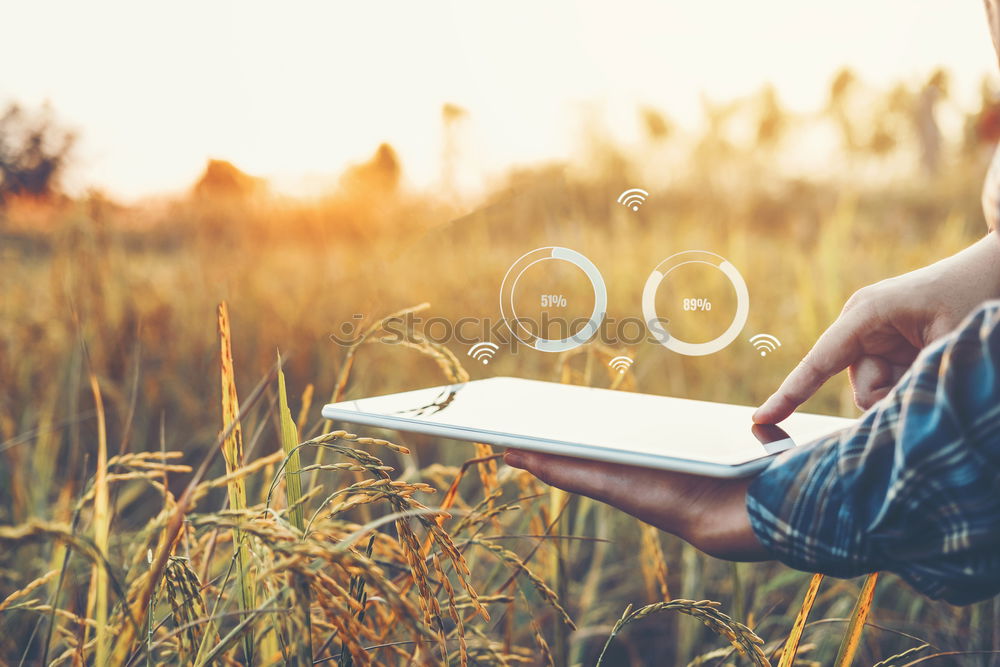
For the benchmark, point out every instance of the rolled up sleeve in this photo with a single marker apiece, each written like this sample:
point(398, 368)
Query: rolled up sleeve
point(912, 488)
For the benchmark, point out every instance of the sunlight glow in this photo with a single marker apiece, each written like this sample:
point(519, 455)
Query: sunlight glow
point(295, 91)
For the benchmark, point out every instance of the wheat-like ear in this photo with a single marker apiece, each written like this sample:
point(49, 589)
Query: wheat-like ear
point(27, 590)
point(187, 606)
point(514, 561)
point(232, 451)
point(740, 636)
point(902, 659)
point(345, 371)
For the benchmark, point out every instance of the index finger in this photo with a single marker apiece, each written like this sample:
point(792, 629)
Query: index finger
point(835, 350)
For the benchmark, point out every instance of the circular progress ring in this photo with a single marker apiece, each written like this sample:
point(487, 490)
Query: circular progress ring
point(654, 322)
point(529, 259)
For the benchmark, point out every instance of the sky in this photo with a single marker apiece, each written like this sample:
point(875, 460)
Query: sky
point(295, 91)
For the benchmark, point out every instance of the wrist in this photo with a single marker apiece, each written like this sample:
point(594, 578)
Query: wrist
point(723, 528)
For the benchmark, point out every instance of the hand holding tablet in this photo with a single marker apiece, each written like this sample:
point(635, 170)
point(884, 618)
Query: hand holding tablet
point(681, 465)
point(682, 435)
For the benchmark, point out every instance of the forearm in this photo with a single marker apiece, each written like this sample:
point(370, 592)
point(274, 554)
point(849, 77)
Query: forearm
point(911, 488)
point(949, 290)
point(977, 268)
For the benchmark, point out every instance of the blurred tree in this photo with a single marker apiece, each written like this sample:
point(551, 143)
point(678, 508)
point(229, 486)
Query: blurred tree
point(925, 120)
point(841, 90)
point(33, 153)
point(889, 118)
point(222, 180)
point(982, 127)
point(452, 117)
point(716, 140)
point(380, 175)
point(658, 127)
point(368, 199)
point(772, 120)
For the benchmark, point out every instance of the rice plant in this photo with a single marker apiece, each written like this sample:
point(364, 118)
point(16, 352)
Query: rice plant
point(169, 492)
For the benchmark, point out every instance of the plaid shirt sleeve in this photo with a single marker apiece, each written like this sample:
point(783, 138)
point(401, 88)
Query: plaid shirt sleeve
point(912, 488)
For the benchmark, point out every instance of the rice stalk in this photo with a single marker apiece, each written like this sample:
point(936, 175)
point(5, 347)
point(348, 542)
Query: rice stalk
point(289, 440)
point(46, 454)
point(480, 513)
point(35, 605)
point(852, 638)
point(463, 647)
point(537, 582)
point(487, 469)
point(232, 450)
point(238, 474)
point(791, 647)
point(167, 537)
point(451, 495)
point(74, 653)
point(241, 630)
point(558, 501)
point(28, 589)
point(945, 654)
point(692, 584)
point(357, 593)
point(463, 601)
point(302, 617)
point(653, 563)
point(307, 397)
point(340, 387)
point(183, 592)
point(35, 531)
point(902, 658)
point(102, 526)
point(743, 639)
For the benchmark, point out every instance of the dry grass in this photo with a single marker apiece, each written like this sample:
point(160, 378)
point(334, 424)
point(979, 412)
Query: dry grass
point(333, 589)
point(124, 539)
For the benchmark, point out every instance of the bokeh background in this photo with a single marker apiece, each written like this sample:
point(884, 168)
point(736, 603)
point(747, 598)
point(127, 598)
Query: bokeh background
point(321, 164)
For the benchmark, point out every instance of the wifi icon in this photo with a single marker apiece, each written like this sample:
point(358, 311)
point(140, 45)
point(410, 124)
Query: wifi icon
point(633, 198)
point(621, 363)
point(484, 352)
point(765, 343)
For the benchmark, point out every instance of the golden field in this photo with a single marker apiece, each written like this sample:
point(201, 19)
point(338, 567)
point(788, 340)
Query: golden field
point(125, 482)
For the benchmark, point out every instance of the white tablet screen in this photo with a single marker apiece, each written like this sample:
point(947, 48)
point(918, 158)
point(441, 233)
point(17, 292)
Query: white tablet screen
point(511, 411)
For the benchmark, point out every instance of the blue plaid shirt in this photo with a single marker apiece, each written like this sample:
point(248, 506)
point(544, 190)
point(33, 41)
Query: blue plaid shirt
point(912, 488)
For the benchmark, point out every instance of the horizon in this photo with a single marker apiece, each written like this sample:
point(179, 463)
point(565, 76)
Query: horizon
point(280, 106)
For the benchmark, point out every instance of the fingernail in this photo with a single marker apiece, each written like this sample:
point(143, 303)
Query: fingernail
point(514, 459)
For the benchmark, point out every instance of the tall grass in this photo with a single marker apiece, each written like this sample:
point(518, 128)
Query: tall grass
point(309, 543)
point(232, 449)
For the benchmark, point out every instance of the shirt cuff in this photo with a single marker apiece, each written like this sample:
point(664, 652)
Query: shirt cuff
point(798, 512)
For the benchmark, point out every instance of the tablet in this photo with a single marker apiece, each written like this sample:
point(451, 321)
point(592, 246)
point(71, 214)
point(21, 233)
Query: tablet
point(698, 437)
